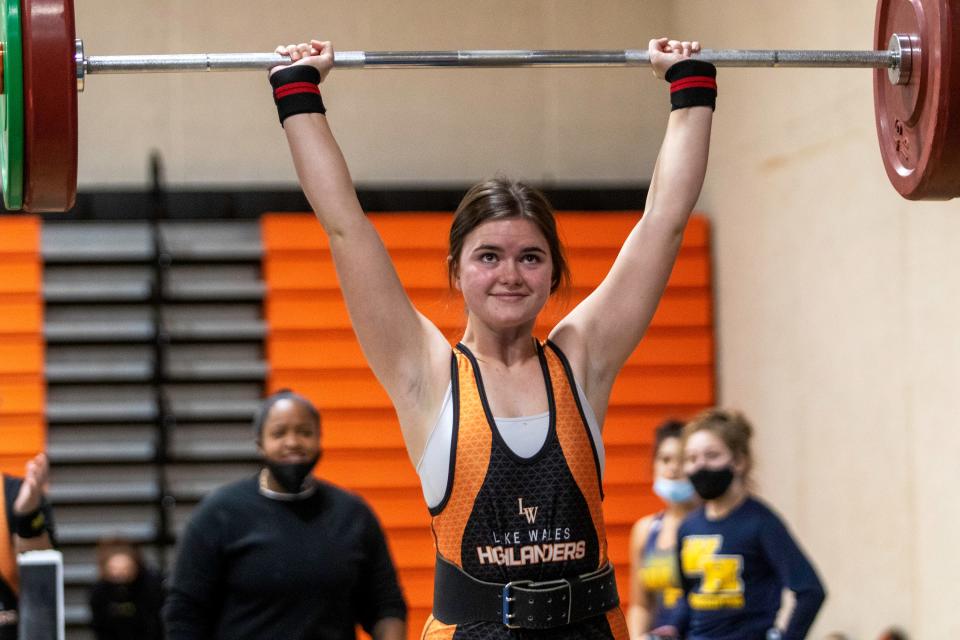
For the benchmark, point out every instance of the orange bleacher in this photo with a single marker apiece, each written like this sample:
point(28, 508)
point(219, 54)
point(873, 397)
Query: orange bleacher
point(311, 348)
point(22, 388)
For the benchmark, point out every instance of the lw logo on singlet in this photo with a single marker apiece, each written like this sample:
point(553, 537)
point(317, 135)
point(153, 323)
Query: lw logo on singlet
point(530, 513)
point(548, 545)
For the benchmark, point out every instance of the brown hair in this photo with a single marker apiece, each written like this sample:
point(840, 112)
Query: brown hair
point(732, 427)
point(503, 199)
point(671, 428)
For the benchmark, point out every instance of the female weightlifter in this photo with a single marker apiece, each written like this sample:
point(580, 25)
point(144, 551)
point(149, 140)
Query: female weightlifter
point(504, 429)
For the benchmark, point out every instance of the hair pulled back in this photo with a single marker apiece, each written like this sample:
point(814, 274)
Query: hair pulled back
point(732, 427)
point(504, 199)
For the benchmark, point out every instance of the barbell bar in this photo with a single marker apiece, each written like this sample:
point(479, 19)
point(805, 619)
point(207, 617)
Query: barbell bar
point(915, 63)
point(889, 59)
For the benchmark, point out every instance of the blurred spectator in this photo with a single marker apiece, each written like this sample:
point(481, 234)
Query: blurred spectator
point(127, 598)
point(655, 590)
point(282, 554)
point(736, 556)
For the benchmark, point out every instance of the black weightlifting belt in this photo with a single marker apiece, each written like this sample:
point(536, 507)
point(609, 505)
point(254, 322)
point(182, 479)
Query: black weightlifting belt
point(522, 604)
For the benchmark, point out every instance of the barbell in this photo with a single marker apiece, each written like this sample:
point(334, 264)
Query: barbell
point(916, 89)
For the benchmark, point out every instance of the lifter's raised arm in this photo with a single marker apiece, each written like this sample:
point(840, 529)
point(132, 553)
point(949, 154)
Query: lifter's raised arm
point(399, 343)
point(610, 322)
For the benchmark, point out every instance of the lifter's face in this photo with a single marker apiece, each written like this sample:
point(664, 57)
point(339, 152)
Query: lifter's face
point(289, 433)
point(504, 272)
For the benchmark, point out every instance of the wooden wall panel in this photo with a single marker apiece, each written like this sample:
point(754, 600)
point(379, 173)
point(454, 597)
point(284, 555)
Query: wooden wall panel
point(311, 348)
point(22, 388)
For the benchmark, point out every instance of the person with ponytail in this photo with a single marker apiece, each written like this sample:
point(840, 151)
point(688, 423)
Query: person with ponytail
point(504, 428)
point(282, 554)
point(655, 591)
point(735, 554)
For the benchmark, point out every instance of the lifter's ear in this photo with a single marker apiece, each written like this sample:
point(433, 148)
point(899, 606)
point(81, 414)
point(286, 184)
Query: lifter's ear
point(454, 269)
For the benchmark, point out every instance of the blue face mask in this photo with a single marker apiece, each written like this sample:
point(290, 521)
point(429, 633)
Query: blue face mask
point(674, 491)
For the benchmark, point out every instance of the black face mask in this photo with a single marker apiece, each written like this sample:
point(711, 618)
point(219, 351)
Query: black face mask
point(290, 475)
point(712, 483)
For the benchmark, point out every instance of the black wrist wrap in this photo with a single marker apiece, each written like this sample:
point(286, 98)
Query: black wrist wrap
point(693, 83)
point(295, 91)
point(30, 525)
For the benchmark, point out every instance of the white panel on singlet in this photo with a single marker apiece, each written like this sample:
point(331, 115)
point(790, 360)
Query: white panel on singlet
point(525, 436)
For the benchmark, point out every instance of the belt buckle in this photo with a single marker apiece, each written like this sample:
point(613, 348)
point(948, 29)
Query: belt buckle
point(506, 599)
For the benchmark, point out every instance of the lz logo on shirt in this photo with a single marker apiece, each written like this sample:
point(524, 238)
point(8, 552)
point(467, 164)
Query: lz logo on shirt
point(720, 584)
point(529, 512)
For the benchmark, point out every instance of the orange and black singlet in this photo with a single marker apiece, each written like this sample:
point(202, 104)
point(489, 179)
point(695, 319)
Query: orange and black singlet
point(505, 517)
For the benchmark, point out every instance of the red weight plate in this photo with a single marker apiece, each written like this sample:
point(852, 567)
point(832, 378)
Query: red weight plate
point(50, 105)
point(918, 123)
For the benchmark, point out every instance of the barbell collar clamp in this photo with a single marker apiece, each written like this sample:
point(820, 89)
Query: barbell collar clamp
point(903, 48)
point(80, 62)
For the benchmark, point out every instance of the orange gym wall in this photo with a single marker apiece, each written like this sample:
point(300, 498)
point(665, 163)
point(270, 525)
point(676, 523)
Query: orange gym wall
point(311, 348)
point(22, 387)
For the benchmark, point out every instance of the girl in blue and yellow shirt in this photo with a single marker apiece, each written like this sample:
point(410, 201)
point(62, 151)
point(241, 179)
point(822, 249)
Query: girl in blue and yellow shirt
point(735, 554)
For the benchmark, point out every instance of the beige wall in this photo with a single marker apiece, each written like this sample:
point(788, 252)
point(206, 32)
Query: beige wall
point(405, 126)
point(837, 314)
point(837, 300)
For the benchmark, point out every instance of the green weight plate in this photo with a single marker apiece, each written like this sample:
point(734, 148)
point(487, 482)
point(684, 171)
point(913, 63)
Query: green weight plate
point(11, 106)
